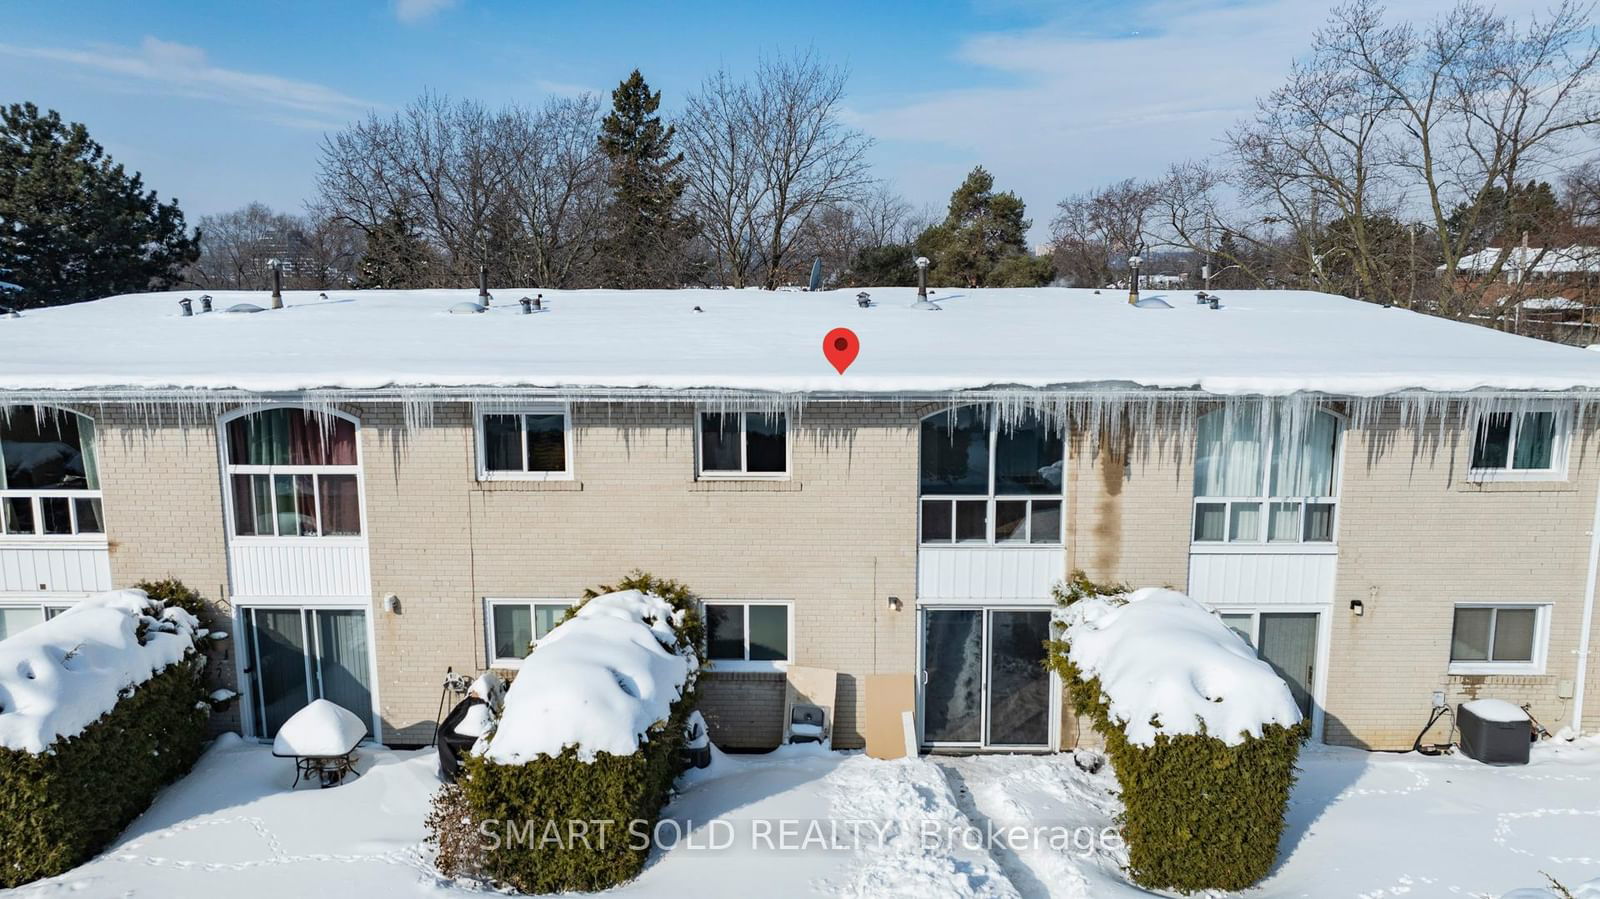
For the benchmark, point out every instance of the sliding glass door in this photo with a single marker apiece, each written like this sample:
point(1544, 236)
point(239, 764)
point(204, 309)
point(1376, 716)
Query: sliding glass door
point(297, 655)
point(984, 683)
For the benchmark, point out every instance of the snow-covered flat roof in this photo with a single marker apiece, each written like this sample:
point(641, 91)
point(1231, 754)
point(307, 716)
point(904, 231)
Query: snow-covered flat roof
point(1259, 342)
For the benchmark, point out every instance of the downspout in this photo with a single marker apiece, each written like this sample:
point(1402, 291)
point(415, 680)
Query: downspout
point(1588, 618)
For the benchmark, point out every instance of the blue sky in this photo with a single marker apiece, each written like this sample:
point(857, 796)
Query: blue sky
point(221, 104)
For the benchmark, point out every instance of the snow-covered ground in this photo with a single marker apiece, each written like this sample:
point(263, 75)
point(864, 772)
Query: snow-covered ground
point(1360, 825)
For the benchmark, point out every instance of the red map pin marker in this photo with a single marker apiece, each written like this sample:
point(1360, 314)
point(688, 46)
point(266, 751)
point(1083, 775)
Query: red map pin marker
point(841, 346)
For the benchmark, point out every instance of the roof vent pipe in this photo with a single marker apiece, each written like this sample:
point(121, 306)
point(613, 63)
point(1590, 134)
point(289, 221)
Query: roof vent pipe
point(527, 305)
point(277, 283)
point(483, 284)
point(922, 286)
point(205, 303)
point(1216, 301)
point(187, 305)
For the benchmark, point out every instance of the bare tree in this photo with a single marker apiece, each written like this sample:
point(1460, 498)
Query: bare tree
point(521, 191)
point(1314, 158)
point(238, 247)
point(1479, 101)
point(764, 159)
point(1094, 233)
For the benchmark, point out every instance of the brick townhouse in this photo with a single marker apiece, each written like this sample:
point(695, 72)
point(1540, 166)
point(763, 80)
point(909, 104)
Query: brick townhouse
point(377, 486)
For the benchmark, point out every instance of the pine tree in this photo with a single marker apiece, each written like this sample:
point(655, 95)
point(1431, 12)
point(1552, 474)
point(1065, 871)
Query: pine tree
point(396, 256)
point(975, 243)
point(645, 230)
point(73, 225)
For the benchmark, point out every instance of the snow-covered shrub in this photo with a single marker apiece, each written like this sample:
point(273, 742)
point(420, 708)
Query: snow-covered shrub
point(99, 708)
point(1202, 733)
point(566, 791)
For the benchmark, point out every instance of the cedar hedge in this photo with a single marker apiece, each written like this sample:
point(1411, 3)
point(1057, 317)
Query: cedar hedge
point(1198, 814)
point(59, 808)
point(559, 824)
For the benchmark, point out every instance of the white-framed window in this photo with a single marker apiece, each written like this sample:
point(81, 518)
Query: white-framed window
point(49, 477)
point(18, 616)
point(1254, 482)
point(742, 445)
point(293, 473)
point(986, 483)
point(1530, 444)
point(514, 625)
point(755, 635)
point(530, 443)
point(1499, 638)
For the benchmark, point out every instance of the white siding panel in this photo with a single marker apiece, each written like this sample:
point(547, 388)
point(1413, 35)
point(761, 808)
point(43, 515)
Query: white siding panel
point(300, 570)
point(55, 569)
point(1252, 579)
point(988, 573)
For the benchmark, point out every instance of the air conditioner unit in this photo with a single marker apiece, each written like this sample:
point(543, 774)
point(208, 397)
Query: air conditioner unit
point(1494, 732)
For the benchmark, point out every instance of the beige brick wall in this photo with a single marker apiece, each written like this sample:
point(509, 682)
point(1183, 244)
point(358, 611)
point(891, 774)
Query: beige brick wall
point(1415, 538)
point(163, 509)
point(839, 538)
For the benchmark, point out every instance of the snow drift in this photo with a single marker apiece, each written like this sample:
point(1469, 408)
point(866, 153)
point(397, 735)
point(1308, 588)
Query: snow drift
point(1168, 665)
point(597, 682)
point(59, 677)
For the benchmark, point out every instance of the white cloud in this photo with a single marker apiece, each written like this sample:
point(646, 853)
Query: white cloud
point(173, 69)
point(413, 11)
point(1063, 110)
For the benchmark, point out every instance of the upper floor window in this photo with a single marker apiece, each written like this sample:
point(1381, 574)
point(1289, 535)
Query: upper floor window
point(1526, 444)
point(1254, 482)
point(742, 444)
point(294, 473)
point(49, 480)
point(528, 444)
point(984, 482)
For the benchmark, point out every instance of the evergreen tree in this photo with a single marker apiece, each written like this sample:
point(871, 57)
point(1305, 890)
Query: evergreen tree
point(396, 256)
point(645, 232)
point(982, 231)
point(891, 265)
point(1505, 215)
point(73, 225)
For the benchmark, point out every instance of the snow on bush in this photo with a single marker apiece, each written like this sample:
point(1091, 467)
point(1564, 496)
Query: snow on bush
point(598, 682)
point(1168, 665)
point(59, 677)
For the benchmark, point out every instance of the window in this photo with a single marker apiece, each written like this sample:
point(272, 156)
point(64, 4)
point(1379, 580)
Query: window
point(751, 635)
point(990, 484)
point(528, 444)
point(743, 444)
point(1528, 445)
point(18, 617)
point(514, 625)
point(49, 479)
point(1254, 482)
point(294, 473)
point(1489, 639)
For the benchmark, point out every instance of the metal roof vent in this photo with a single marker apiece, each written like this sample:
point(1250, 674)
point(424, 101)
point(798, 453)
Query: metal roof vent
point(243, 309)
point(465, 308)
